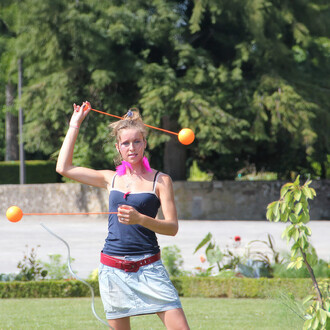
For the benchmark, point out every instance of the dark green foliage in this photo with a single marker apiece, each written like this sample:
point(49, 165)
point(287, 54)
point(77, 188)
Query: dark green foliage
point(251, 78)
point(2, 132)
point(37, 171)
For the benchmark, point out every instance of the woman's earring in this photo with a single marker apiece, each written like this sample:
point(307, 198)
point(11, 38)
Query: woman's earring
point(146, 164)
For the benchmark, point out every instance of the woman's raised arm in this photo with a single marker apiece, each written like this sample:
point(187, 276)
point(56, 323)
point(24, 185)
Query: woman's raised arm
point(64, 164)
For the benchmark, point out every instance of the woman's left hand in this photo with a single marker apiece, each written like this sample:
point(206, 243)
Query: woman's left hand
point(80, 113)
point(128, 215)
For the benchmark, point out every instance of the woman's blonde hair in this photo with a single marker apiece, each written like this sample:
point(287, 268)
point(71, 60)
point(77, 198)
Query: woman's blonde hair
point(132, 119)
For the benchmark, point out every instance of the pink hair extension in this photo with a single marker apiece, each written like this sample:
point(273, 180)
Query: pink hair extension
point(121, 169)
point(146, 164)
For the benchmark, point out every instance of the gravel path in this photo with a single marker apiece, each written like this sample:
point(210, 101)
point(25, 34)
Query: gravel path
point(86, 234)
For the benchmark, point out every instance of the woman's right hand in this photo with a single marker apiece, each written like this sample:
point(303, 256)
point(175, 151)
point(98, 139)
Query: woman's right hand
point(79, 113)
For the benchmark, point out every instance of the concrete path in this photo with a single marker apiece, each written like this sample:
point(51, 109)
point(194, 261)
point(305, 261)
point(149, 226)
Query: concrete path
point(86, 234)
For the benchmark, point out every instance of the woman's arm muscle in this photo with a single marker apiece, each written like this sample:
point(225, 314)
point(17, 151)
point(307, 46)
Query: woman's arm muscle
point(85, 175)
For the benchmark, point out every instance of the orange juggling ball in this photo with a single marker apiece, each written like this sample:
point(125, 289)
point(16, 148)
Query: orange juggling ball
point(186, 136)
point(14, 214)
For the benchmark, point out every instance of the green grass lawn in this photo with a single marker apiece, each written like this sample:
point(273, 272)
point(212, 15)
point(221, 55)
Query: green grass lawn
point(202, 313)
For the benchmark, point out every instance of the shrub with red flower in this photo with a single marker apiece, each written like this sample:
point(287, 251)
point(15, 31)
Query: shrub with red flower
point(237, 238)
point(254, 263)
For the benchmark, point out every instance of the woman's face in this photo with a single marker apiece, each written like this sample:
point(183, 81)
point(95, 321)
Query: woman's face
point(131, 145)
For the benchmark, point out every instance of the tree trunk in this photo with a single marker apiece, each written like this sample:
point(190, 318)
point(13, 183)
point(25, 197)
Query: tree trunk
point(175, 154)
point(12, 150)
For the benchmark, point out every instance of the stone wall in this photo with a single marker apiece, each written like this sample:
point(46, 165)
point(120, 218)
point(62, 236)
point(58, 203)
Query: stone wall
point(247, 200)
point(217, 200)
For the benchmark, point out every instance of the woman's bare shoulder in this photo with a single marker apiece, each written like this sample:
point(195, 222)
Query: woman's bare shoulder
point(164, 180)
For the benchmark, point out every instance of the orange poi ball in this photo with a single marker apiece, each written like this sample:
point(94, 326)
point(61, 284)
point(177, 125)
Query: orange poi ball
point(186, 136)
point(14, 214)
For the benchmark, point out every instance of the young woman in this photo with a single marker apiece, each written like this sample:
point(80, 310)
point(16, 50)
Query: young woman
point(132, 278)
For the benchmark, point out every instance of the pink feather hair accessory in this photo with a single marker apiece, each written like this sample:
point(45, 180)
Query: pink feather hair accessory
point(146, 164)
point(121, 169)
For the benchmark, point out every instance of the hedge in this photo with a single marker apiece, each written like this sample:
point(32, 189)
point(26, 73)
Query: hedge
point(37, 171)
point(214, 287)
point(186, 286)
point(47, 289)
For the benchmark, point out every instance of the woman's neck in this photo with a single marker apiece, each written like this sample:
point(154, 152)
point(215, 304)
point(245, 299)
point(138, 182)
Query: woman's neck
point(137, 169)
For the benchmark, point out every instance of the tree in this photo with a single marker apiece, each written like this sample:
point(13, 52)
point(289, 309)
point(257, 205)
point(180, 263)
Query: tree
point(275, 61)
point(7, 79)
point(12, 152)
point(251, 78)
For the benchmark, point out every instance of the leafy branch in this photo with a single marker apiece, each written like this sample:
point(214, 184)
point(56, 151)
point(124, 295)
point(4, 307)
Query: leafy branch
point(293, 207)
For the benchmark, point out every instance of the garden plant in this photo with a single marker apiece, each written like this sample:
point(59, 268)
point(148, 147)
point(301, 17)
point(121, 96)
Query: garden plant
point(172, 259)
point(255, 262)
point(30, 267)
point(33, 269)
point(223, 260)
point(293, 207)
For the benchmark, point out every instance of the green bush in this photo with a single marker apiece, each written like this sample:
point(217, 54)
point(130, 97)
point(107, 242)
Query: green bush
point(56, 269)
point(47, 289)
point(187, 286)
point(321, 269)
point(196, 174)
point(37, 171)
point(172, 260)
point(214, 287)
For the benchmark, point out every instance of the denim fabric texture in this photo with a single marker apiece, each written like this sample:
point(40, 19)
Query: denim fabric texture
point(147, 291)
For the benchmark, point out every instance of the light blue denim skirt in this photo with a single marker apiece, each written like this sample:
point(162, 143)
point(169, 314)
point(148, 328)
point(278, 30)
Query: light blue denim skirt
point(147, 291)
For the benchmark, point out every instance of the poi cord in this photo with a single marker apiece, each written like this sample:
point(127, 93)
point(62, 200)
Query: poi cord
point(77, 277)
point(158, 128)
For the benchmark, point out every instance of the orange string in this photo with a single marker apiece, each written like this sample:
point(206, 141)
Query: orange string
point(108, 114)
point(70, 213)
point(160, 129)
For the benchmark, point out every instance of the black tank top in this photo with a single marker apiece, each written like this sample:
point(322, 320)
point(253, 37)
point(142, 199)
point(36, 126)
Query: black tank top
point(131, 239)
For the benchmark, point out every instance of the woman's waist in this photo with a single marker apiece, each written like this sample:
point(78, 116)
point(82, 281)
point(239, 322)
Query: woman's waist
point(129, 257)
point(129, 263)
point(130, 251)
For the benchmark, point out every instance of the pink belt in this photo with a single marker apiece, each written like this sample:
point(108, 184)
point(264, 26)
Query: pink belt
point(128, 265)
